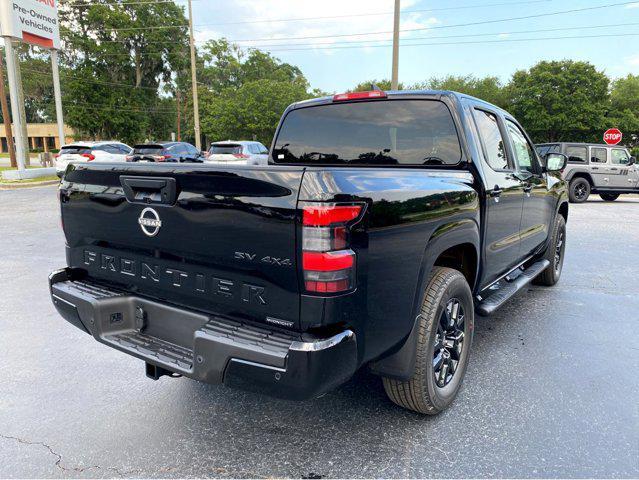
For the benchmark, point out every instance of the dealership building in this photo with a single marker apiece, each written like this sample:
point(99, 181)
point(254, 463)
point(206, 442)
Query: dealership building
point(42, 137)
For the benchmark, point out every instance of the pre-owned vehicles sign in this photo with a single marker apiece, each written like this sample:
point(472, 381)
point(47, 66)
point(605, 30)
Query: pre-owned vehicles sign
point(31, 21)
point(613, 136)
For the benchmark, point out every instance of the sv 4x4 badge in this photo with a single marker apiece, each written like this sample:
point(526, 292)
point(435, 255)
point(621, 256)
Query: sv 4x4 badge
point(252, 257)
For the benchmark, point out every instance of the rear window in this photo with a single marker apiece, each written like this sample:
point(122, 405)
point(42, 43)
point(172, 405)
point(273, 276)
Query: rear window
point(225, 149)
point(390, 132)
point(74, 150)
point(148, 149)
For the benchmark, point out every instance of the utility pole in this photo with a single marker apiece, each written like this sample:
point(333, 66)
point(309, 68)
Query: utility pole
point(177, 101)
point(395, 75)
point(196, 110)
point(23, 111)
point(6, 117)
point(58, 96)
point(18, 119)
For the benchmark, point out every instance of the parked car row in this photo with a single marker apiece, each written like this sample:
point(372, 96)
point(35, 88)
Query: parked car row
point(229, 151)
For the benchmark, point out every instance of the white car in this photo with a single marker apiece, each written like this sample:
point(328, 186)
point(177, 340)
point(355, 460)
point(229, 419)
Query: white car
point(240, 153)
point(107, 151)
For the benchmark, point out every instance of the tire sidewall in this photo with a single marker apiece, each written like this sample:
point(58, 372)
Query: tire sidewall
point(443, 397)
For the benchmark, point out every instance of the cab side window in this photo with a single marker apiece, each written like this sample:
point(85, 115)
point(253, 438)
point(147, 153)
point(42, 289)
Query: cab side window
point(492, 141)
point(598, 155)
point(524, 152)
point(619, 156)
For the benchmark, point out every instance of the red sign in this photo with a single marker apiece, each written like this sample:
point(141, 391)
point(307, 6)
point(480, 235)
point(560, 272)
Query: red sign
point(613, 136)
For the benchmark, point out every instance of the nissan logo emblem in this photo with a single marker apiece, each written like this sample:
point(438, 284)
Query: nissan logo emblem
point(150, 222)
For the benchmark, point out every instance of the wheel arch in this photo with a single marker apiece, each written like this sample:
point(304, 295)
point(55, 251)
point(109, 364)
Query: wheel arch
point(454, 245)
point(581, 174)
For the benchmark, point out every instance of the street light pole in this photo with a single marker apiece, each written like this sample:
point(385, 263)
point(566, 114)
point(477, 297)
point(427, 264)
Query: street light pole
point(7, 118)
point(196, 110)
point(395, 75)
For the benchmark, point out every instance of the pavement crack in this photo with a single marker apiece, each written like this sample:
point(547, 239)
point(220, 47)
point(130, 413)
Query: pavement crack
point(58, 457)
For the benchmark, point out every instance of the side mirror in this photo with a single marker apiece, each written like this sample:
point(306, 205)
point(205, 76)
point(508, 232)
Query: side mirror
point(632, 161)
point(555, 162)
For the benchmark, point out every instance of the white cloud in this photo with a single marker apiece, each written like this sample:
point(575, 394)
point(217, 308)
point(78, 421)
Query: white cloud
point(266, 12)
point(632, 5)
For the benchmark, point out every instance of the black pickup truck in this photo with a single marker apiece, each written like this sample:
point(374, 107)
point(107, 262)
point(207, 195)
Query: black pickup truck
point(382, 223)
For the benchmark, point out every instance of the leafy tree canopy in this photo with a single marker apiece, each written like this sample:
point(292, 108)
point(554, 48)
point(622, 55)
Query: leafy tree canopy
point(560, 100)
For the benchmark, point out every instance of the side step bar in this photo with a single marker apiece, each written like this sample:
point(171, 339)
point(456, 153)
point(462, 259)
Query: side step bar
point(510, 288)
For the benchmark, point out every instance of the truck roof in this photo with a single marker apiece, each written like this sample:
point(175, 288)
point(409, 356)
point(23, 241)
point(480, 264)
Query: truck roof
point(405, 93)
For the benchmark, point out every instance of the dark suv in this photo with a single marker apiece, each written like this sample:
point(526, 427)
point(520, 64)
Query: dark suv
point(599, 168)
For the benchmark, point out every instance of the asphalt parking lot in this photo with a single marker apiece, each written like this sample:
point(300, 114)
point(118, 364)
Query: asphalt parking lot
point(552, 387)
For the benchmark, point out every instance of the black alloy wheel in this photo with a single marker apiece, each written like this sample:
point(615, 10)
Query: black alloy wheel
point(449, 342)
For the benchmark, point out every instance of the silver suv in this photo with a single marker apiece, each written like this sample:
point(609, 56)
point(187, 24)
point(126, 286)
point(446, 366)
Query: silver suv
point(596, 168)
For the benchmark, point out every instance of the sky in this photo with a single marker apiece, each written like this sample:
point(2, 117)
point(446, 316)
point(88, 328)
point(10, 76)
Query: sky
point(326, 38)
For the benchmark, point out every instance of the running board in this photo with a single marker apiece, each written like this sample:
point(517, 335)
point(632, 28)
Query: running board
point(510, 288)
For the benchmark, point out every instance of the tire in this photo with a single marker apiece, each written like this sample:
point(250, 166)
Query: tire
point(609, 197)
point(579, 190)
point(423, 393)
point(554, 254)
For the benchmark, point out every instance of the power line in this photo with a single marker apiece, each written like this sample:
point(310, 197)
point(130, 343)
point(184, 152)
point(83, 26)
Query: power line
point(339, 44)
point(466, 35)
point(472, 42)
point(405, 12)
point(438, 27)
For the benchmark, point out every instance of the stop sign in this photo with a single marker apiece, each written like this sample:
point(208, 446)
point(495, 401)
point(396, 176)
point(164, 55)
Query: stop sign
point(613, 136)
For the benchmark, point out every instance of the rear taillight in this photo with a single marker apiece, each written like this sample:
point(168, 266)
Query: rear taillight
point(129, 158)
point(88, 156)
point(161, 158)
point(240, 155)
point(327, 261)
point(56, 155)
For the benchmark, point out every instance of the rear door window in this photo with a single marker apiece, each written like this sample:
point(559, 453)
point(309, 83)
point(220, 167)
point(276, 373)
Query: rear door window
point(577, 154)
point(598, 155)
point(388, 132)
point(492, 141)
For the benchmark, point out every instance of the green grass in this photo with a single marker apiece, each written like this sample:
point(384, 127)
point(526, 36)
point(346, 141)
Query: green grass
point(27, 180)
point(13, 168)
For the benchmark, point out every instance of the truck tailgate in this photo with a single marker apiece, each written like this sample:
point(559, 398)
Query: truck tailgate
point(214, 238)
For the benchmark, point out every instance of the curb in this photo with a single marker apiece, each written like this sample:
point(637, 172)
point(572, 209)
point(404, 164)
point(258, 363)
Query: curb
point(16, 186)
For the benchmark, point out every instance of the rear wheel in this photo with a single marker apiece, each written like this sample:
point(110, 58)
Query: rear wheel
point(579, 190)
point(609, 197)
point(554, 254)
point(443, 345)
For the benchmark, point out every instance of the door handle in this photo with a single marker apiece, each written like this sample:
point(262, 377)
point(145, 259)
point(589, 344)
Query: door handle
point(496, 192)
point(595, 168)
point(149, 190)
point(614, 169)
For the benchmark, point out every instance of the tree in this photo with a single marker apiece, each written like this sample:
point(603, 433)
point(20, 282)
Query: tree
point(624, 112)
point(368, 85)
point(488, 89)
point(560, 101)
point(120, 63)
point(251, 111)
point(243, 93)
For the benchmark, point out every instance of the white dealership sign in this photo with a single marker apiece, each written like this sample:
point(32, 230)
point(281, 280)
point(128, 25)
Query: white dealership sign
point(31, 21)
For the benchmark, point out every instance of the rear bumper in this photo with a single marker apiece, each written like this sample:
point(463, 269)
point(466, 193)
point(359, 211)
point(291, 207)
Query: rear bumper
point(204, 347)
